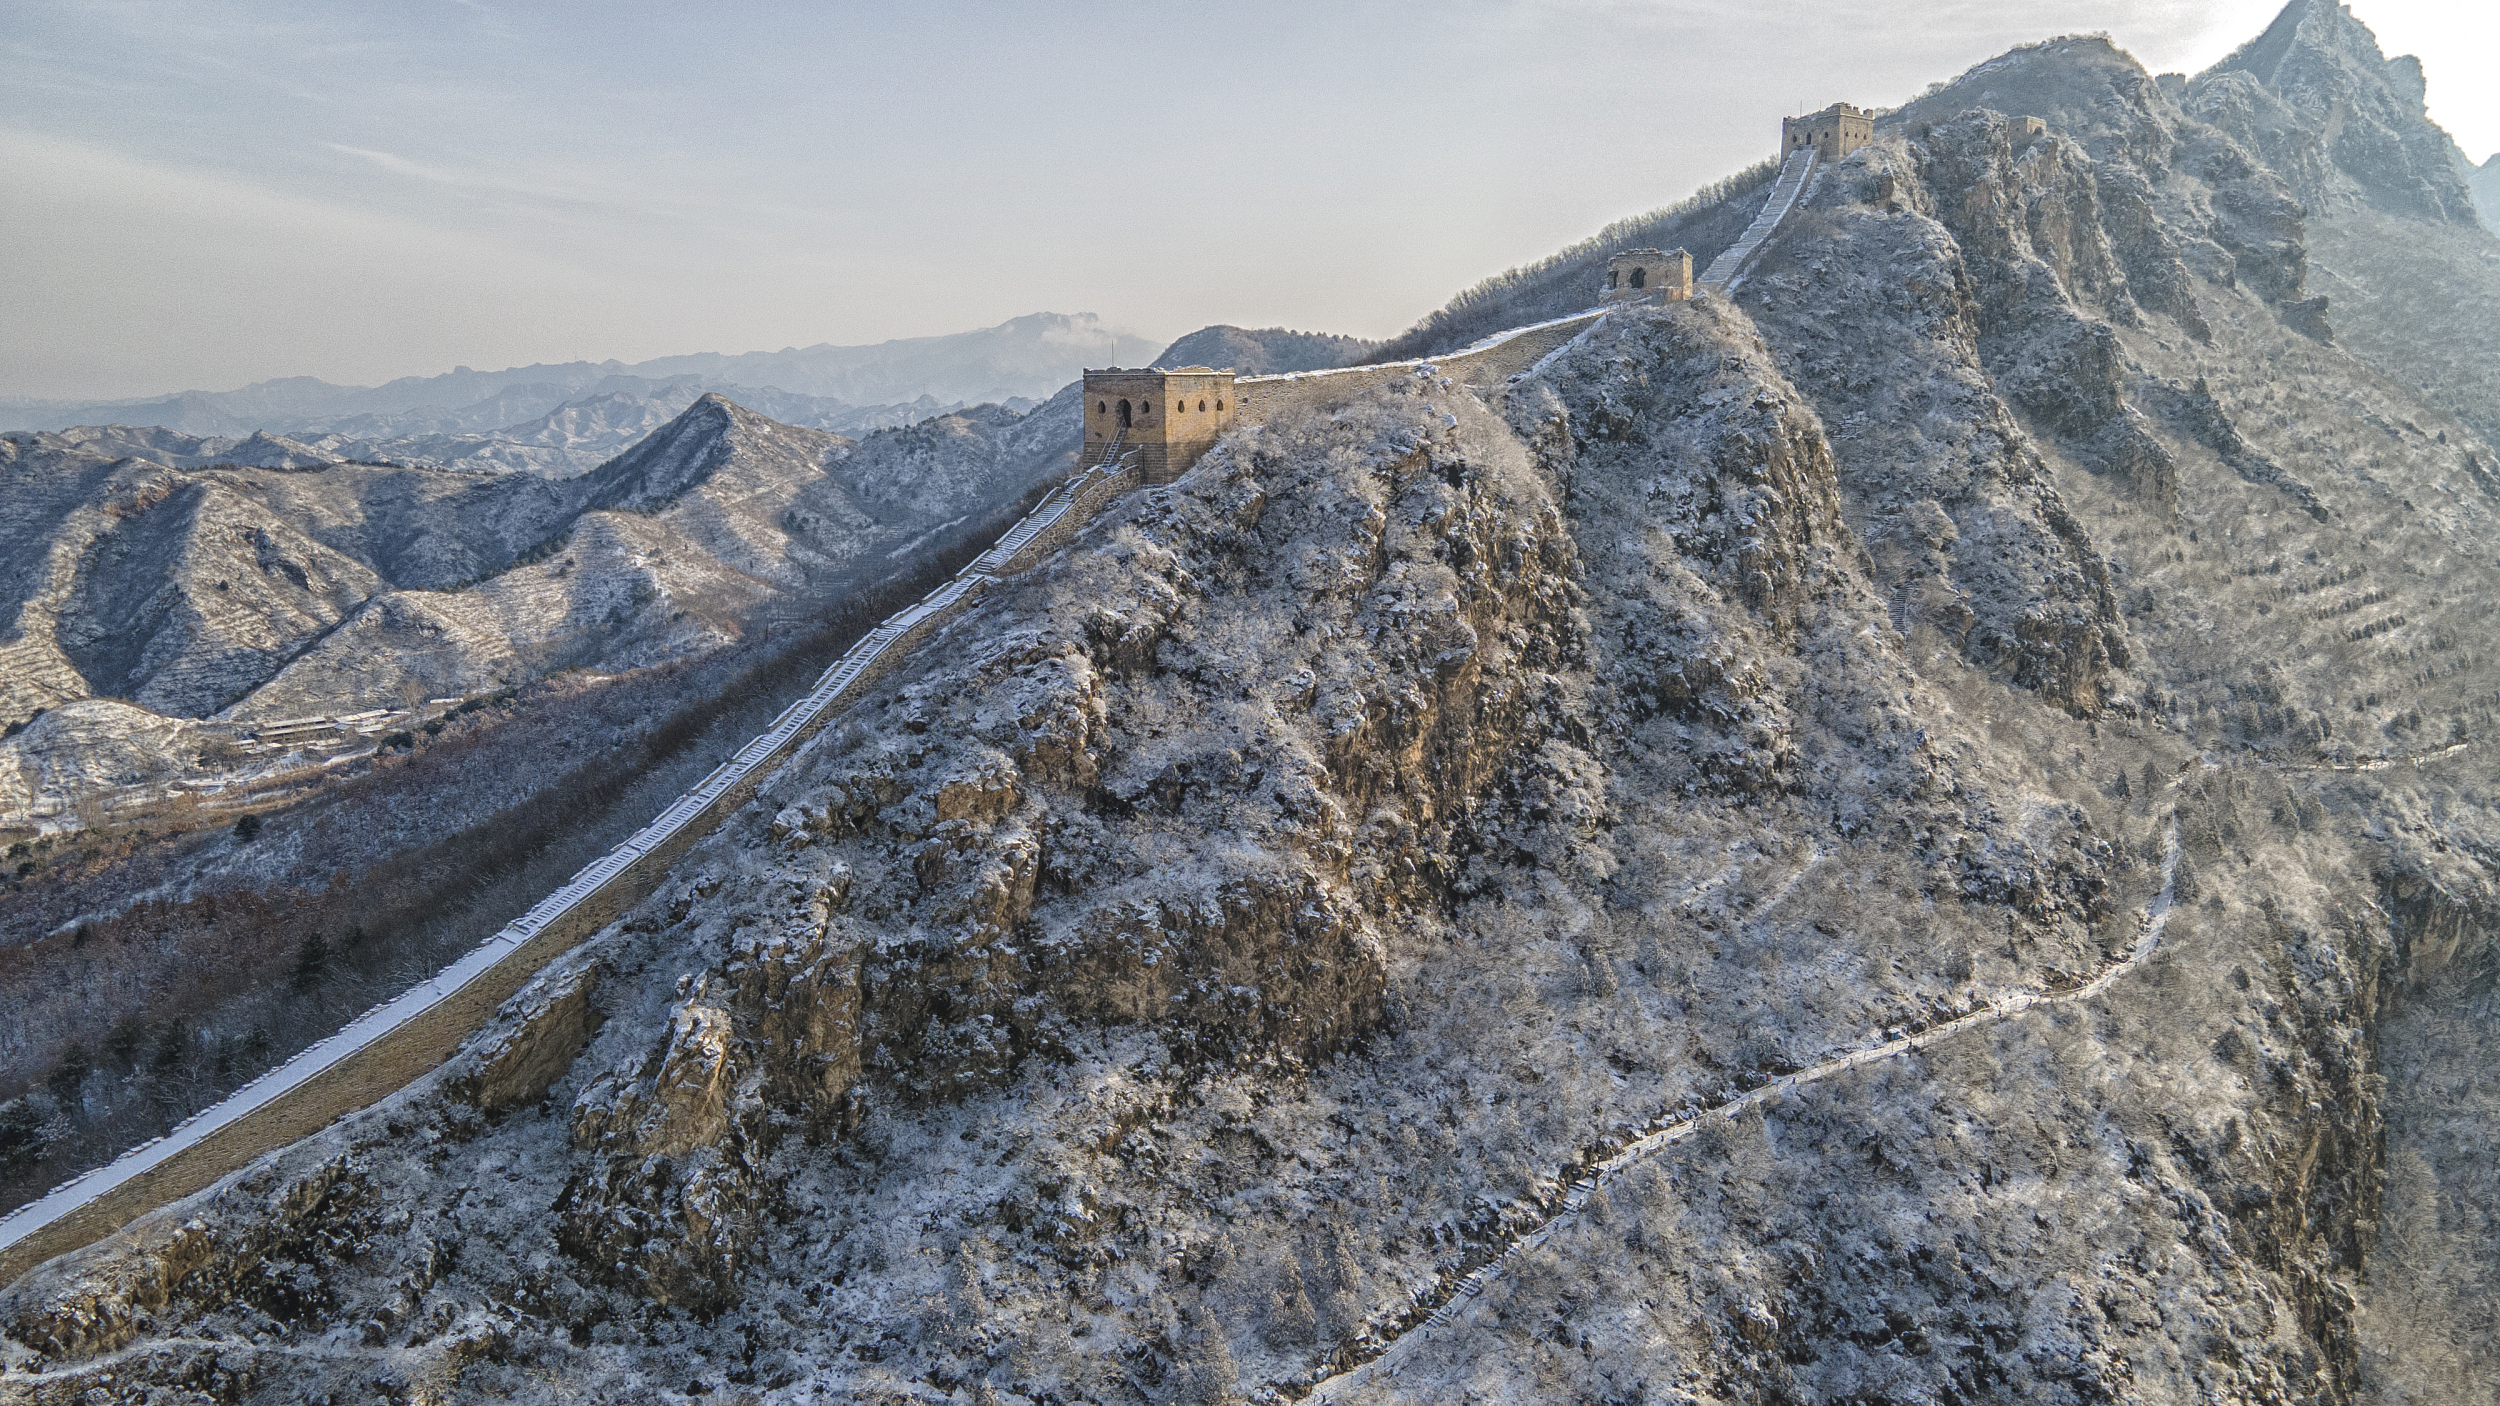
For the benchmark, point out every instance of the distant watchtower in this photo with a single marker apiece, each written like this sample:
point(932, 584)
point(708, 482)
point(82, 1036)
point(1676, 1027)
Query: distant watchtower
point(1170, 417)
point(1834, 132)
point(1636, 274)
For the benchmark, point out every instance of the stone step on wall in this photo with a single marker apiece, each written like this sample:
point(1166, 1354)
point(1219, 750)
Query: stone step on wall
point(1728, 269)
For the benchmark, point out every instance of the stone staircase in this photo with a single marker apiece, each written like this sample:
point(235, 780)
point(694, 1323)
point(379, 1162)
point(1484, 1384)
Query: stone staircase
point(1727, 272)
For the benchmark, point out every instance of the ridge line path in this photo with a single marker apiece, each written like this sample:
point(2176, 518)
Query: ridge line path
point(1456, 1296)
point(1726, 273)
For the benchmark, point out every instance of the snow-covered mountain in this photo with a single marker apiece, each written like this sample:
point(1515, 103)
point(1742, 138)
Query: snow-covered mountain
point(137, 586)
point(1264, 351)
point(1919, 833)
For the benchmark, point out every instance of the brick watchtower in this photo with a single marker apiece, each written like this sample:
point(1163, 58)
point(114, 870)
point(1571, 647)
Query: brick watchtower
point(1834, 132)
point(1636, 274)
point(1171, 417)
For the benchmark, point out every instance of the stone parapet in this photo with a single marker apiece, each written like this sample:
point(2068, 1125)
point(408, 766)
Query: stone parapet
point(1489, 364)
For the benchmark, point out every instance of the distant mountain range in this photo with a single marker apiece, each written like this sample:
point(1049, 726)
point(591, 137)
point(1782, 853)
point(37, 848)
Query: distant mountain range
point(1027, 357)
point(2485, 182)
point(574, 437)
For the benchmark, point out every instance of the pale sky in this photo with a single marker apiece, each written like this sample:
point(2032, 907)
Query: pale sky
point(201, 196)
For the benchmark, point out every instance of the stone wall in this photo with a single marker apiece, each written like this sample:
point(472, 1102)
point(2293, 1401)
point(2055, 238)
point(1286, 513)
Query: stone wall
point(1488, 365)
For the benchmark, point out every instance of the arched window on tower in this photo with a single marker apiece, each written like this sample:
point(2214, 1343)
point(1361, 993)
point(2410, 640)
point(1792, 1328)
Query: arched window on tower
point(1640, 278)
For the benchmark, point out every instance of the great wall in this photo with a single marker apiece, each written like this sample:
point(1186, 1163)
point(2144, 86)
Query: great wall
point(401, 1040)
point(1131, 440)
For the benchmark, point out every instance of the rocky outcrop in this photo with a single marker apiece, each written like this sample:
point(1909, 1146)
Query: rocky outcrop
point(2316, 100)
point(2406, 274)
point(1969, 534)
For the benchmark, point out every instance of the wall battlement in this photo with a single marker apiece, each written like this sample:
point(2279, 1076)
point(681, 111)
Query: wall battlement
point(1488, 365)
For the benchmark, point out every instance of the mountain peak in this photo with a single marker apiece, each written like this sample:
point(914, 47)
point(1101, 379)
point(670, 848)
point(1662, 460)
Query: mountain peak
point(2083, 86)
point(2359, 129)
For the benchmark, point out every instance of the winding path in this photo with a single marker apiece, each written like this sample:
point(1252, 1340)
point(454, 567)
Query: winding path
point(1453, 1297)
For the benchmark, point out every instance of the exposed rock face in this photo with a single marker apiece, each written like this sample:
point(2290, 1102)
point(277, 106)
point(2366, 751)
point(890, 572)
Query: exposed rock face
point(2485, 183)
point(1174, 981)
point(1988, 260)
point(2404, 271)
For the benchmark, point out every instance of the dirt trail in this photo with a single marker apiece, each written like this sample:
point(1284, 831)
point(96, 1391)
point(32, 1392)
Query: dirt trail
point(1451, 1300)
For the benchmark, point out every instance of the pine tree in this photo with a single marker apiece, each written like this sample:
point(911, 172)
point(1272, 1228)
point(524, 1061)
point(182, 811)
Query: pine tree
point(311, 960)
point(68, 1077)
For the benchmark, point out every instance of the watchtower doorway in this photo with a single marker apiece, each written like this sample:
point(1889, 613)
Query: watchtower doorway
point(1124, 422)
point(1636, 275)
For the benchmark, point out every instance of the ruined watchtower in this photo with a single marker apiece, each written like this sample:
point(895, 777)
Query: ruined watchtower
point(1168, 417)
point(1834, 132)
point(1635, 274)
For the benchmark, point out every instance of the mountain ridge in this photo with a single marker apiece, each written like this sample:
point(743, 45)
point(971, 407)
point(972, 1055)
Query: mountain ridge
point(1258, 920)
point(233, 594)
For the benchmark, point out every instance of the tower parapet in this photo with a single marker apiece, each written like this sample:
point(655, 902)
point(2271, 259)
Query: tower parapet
point(1170, 417)
point(1637, 274)
point(1833, 133)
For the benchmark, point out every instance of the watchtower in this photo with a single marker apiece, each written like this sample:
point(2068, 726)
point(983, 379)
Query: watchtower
point(1834, 132)
point(1170, 417)
point(1636, 274)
